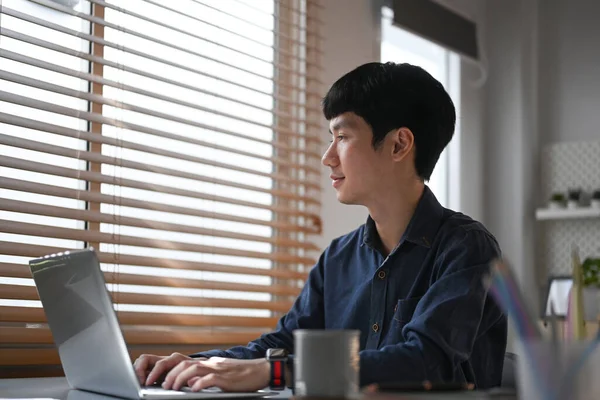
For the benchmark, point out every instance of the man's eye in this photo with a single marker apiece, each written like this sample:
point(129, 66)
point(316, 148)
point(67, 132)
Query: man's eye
point(340, 137)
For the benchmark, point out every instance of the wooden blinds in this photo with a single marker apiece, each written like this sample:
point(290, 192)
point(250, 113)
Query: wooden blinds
point(181, 140)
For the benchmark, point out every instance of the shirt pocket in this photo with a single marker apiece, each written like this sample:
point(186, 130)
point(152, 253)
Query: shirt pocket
point(404, 311)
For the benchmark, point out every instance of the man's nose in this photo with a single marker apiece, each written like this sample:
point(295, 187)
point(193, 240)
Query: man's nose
point(329, 157)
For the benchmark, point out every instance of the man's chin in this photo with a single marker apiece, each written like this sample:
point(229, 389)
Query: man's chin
point(344, 199)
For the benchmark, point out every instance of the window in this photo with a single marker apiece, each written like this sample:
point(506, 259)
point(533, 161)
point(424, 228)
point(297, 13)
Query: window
point(399, 45)
point(23, 99)
point(180, 140)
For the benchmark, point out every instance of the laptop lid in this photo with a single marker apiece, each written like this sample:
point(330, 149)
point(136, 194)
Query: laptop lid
point(84, 325)
point(86, 330)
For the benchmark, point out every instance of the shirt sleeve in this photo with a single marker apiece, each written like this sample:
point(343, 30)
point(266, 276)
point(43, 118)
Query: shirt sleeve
point(446, 320)
point(306, 313)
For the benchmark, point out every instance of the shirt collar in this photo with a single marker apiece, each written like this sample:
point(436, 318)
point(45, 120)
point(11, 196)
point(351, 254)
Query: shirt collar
point(421, 229)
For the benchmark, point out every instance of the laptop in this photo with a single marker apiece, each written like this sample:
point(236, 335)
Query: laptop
point(87, 334)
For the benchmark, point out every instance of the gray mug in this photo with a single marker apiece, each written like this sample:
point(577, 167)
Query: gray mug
point(326, 363)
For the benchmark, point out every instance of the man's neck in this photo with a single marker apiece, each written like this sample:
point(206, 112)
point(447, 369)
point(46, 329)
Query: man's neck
point(393, 212)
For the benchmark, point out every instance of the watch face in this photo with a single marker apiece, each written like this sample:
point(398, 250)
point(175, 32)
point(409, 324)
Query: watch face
point(277, 353)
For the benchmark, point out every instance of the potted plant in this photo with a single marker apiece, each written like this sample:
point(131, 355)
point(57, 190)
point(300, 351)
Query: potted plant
point(591, 287)
point(596, 199)
point(557, 201)
point(591, 272)
point(574, 198)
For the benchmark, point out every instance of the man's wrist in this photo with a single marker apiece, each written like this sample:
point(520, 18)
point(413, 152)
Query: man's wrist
point(278, 375)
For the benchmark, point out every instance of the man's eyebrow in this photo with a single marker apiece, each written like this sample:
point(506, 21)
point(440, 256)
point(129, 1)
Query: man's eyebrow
point(340, 125)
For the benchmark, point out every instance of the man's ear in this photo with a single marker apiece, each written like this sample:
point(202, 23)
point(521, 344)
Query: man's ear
point(403, 142)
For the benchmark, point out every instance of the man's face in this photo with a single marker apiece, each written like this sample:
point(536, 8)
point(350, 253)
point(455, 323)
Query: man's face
point(358, 171)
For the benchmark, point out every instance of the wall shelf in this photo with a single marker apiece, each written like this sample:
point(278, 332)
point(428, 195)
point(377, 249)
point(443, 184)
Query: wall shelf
point(542, 214)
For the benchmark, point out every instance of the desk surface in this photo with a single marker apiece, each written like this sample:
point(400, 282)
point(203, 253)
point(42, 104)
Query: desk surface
point(57, 388)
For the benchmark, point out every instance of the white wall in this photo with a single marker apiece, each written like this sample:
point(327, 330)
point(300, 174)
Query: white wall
point(511, 140)
point(510, 132)
point(569, 70)
point(472, 158)
point(542, 88)
point(351, 33)
point(472, 112)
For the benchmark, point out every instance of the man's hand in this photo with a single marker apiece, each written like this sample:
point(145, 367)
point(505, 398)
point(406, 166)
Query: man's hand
point(149, 368)
point(231, 375)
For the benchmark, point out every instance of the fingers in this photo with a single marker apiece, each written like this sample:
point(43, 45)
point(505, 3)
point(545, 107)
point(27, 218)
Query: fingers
point(373, 388)
point(233, 376)
point(191, 382)
point(143, 364)
point(210, 380)
point(184, 372)
point(188, 369)
point(227, 374)
point(163, 365)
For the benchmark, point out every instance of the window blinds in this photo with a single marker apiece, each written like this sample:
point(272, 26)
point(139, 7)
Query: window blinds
point(180, 140)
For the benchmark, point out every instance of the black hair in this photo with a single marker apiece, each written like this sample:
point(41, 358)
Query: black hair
point(391, 96)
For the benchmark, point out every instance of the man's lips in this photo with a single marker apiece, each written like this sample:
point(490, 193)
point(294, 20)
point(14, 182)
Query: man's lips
point(336, 180)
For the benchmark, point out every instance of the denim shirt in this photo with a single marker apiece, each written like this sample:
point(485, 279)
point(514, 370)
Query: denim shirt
point(423, 311)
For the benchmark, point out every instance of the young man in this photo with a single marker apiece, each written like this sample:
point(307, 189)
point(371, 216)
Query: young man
point(410, 279)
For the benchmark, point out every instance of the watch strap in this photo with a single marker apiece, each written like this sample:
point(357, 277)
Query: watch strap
point(278, 381)
point(277, 359)
point(290, 367)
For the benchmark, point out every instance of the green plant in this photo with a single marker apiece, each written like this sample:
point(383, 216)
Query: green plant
point(574, 194)
point(591, 272)
point(558, 197)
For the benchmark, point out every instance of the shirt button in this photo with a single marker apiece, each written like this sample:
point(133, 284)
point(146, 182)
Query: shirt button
point(381, 274)
point(375, 327)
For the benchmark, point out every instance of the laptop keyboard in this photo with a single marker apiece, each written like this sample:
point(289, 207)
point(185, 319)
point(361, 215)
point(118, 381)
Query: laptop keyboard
point(159, 389)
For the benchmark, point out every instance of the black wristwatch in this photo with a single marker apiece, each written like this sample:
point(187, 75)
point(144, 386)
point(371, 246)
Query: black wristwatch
point(278, 359)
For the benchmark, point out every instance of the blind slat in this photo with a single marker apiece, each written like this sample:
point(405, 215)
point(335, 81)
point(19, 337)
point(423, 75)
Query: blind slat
point(107, 101)
point(279, 17)
point(51, 190)
point(281, 21)
point(102, 22)
point(277, 33)
point(280, 5)
point(23, 228)
point(49, 169)
point(9, 76)
point(100, 60)
point(142, 110)
point(314, 3)
point(230, 31)
point(22, 271)
point(102, 3)
point(109, 121)
point(49, 356)
point(13, 292)
point(37, 315)
point(107, 82)
point(93, 117)
point(10, 335)
point(27, 250)
point(100, 139)
point(94, 216)
point(108, 160)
